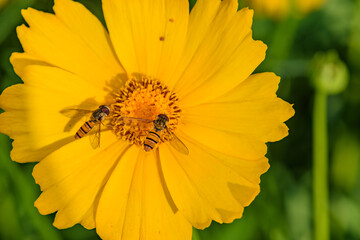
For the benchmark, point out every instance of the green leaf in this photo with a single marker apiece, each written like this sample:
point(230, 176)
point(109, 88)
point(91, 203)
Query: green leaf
point(10, 17)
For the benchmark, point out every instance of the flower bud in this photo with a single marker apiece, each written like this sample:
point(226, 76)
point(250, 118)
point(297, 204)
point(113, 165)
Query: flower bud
point(329, 74)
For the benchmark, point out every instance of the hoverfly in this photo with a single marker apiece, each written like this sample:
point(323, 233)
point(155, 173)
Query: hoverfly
point(154, 136)
point(94, 123)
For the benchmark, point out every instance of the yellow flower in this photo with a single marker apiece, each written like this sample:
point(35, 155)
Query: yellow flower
point(306, 6)
point(3, 3)
point(279, 9)
point(156, 59)
point(276, 9)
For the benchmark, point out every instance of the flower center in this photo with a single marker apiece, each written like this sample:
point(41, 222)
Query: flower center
point(138, 104)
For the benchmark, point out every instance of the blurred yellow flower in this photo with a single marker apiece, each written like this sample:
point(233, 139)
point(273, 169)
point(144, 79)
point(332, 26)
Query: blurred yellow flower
point(278, 9)
point(273, 8)
point(306, 6)
point(156, 59)
point(2, 3)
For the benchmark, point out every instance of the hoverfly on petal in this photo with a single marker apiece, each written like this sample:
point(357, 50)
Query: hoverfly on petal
point(93, 125)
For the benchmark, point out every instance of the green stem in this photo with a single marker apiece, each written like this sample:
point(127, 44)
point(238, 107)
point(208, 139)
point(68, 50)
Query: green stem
point(195, 235)
point(281, 44)
point(320, 169)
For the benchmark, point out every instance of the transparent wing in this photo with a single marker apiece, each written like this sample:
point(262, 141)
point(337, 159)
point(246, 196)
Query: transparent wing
point(75, 115)
point(94, 136)
point(177, 143)
point(74, 112)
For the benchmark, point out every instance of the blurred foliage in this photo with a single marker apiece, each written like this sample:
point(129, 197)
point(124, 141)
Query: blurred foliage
point(283, 209)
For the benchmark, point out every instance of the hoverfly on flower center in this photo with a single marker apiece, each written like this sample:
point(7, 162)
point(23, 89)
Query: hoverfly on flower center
point(154, 136)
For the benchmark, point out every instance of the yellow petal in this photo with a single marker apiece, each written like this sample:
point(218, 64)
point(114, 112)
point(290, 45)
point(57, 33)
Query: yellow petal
point(255, 87)
point(57, 81)
point(72, 177)
point(148, 36)
point(200, 20)
point(82, 22)
point(88, 220)
point(133, 204)
point(176, 26)
point(226, 141)
point(226, 55)
point(262, 120)
point(209, 182)
point(35, 119)
point(245, 110)
point(21, 60)
point(23, 152)
point(58, 40)
point(12, 124)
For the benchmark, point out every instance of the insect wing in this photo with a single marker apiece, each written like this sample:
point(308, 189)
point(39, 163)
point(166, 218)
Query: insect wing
point(178, 144)
point(75, 116)
point(74, 112)
point(94, 136)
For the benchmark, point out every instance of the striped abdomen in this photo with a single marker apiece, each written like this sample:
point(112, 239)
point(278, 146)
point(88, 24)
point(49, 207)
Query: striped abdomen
point(152, 139)
point(85, 128)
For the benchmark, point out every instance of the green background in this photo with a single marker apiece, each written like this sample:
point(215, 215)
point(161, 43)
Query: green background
point(284, 207)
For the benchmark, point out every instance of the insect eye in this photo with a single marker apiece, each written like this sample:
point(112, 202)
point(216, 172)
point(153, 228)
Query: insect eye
point(163, 116)
point(105, 109)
